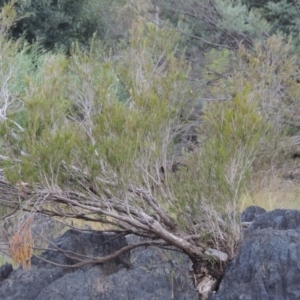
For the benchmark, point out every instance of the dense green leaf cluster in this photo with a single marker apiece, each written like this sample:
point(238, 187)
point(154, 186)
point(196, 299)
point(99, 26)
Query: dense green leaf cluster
point(60, 23)
point(282, 16)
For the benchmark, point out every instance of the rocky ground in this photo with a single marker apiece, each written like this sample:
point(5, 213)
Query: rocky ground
point(267, 267)
point(146, 273)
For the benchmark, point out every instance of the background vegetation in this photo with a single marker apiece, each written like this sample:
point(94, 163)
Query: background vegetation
point(162, 119)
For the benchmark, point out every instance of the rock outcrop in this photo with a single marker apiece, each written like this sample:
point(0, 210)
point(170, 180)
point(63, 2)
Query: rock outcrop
point(146, 273)
point(267, 267)
point(5, 271)
point(268, 264)
point(251, 213)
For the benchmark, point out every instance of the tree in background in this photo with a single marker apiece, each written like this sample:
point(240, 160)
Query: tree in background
point(282, 15)
point(204, 24)
point(60, 23)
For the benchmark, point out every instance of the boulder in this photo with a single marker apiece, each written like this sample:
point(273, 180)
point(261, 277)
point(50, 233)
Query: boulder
point(147, 273)
point(252, 212)
point(155, 274)
point(63, 252)
point(268, 262)
point(278, 219)
point(5, 271)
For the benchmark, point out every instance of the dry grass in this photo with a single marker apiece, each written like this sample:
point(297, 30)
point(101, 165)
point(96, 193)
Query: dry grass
point(272, 193)
point(81, 224)
point(21, 244)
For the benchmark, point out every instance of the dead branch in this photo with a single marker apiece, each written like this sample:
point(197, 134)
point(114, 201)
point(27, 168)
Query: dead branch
point(135, 220)
point(154, 204)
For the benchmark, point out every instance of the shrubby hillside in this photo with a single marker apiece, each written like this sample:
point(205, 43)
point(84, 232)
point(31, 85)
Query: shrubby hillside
point(160, 119)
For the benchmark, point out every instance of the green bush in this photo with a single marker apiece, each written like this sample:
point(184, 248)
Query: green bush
point(282, 17)
point(79, 133)
point(58, 24)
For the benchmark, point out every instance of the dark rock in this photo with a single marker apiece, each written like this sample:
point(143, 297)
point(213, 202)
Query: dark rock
point(251, 212)
point(154, 273)
point(23, 284)
point(70, 286)
point(268, 263)
point(5, 270)
point(27, 285)
point(279, 219)
point(74, 245)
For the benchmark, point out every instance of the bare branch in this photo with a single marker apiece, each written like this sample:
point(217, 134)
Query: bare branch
point(153, 203)
point(142, 223)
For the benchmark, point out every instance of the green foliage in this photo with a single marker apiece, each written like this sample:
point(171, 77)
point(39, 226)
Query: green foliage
point(217, 171)
point(271, 72)
point(208, 24)
point(217, 63)
point(16, 63)
point(239, 133)
point(7, 16)
point(236, 18)
point(60, 23)
point(234, 130)
point(74, 115)
point(282, 16)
